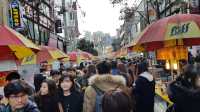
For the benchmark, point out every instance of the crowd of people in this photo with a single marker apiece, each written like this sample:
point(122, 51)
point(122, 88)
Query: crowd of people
point(103, 86)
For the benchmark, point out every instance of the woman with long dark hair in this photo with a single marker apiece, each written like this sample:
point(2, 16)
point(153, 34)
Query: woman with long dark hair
point(46, 98)
point(70, 99)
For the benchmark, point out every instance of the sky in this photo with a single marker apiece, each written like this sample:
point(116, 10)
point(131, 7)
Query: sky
point(100, 16)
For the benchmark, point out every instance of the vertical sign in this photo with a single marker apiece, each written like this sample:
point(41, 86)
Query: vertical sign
point(15, 14)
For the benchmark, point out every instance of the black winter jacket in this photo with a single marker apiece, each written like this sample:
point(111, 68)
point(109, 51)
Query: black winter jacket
point(144, 93)
point(185, 98)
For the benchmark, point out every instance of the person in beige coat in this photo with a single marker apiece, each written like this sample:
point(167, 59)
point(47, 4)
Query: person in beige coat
point(104, 81)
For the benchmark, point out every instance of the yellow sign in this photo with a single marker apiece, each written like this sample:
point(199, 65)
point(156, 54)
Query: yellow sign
point(15, 14)
point(182, 30)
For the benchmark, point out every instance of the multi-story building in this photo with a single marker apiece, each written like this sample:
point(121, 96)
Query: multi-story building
point(38, 20)
point(67, 13)
point(132, 26)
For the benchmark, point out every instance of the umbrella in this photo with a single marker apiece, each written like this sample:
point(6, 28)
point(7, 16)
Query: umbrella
point(83, 55)
point(73, 56)
point(86, 55)
point(45, 54)
point(13, 45)
point(180, 29)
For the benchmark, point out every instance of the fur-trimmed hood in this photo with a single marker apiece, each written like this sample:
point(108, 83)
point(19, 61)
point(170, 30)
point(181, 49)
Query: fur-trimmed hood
point(107, 81)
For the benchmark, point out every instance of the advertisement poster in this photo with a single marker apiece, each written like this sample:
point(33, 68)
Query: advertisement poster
point(28, 71)
point(56, 65)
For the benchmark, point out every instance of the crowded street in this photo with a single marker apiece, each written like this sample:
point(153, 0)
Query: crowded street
point(99, 56)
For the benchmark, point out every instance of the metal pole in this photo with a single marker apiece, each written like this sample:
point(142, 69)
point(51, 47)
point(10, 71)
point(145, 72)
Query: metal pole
point(65, 20)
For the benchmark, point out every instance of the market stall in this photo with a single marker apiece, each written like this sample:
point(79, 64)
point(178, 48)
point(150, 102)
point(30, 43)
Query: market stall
point(169, 38)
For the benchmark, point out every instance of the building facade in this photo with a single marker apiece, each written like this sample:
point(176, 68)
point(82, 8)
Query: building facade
point(4, 12)
point(133, 26)
point(67, 13)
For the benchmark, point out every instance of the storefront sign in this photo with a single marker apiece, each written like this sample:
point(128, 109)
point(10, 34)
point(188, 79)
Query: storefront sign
point(15, 14)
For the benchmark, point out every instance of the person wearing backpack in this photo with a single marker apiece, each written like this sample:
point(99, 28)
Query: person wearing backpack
point(99, 84)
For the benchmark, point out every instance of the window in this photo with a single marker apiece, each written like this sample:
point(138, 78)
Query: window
point(36, 32)
point(71, 16)
point(136, 28)
point(44, 9)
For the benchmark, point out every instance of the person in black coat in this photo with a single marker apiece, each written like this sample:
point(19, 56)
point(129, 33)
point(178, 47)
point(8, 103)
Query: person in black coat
point(70, 99)
point(144, 90)
point(47, 98)
point(185, 91)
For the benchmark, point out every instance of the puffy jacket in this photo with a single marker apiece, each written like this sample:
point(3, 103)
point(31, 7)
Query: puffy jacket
point(104, 82)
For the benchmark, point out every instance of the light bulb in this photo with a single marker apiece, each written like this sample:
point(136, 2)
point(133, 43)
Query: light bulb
point(167, 65)
point(175, 66)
